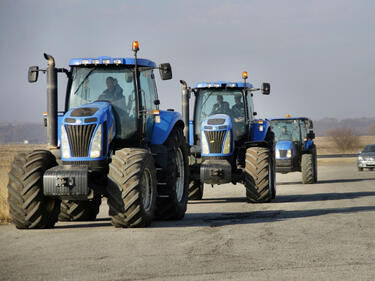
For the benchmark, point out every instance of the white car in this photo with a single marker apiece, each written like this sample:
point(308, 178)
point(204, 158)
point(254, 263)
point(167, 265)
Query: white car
point(366, 159)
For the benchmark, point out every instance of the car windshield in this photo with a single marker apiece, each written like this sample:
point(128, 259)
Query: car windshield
point(221, 101)
point(112, 84)
point(286, 130)
point(369, 148)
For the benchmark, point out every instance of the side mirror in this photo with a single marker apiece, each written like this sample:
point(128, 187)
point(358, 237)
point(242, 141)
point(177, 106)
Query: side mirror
point(266, 88)
point(311, 135)
point(165, 71)
point(33, 74)
point(156, 102)
point(255, 113)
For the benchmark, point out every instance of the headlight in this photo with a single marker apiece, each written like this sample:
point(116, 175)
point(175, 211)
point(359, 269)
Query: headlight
point(65, 148)
point(96, 146)
point(226, 149)
point(277, 154)
point(360, 158)
point(205, 149)
point(289, 153)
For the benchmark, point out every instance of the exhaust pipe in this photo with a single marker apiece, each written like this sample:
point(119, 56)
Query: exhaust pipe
point(185, 108)
point(51, 101)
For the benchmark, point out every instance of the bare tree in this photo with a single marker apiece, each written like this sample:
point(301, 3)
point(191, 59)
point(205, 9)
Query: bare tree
point(345, 139)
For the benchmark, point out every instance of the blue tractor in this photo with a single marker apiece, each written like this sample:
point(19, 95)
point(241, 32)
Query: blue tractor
point(295, 149)
point(227, 144)
point(111, 140)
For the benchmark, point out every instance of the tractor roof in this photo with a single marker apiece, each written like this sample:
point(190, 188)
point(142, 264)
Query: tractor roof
point(223, 84)
point(110, 61)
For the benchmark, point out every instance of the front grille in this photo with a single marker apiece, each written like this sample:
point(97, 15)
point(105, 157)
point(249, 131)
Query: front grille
point(283, 153)
point(79, 139)
point(215, 140)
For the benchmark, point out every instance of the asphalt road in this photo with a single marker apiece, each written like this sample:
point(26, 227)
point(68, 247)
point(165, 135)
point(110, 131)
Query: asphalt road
point(323, 231)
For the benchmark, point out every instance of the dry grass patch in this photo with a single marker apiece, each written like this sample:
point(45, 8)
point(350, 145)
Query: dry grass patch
point(7, 152)
point(325, 145)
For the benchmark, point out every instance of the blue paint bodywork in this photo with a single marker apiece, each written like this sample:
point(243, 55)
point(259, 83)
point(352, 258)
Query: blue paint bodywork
point(259, 129)
point(221, 84)
point(285, 145)
point(110, 61)
point(228, 124)
point(163, 129)
point(103, 114)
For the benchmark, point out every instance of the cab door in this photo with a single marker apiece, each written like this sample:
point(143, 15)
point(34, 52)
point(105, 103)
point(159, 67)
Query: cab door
point(148, 95)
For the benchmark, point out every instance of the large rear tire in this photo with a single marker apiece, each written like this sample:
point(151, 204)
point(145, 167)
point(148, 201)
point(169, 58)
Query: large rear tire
point(132, 188)
point(259, 175)
point(195, 190)
point(29, 208)
point(173, 207)
point(307, 167)
point(80, 210)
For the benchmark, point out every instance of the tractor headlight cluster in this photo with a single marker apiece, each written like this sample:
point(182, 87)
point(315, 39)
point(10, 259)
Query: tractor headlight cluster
point(96, 145)
point(205, 148)
point(277, 154)
point(65, 147)
point(226, 148)
point(289, 153)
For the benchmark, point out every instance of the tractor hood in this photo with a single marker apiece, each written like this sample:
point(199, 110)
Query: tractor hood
point(217, 122)
point(284, 145)
point(96, 112)
point(86, 131)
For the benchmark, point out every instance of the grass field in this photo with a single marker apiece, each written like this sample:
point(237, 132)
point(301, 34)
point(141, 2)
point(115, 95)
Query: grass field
point(7, 152)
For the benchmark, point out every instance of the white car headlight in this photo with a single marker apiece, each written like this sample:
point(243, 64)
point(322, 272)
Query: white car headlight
point(289, 153)
point(205, 149)
point(226, 149)
point(65, 147)
point(360, 158)
point(277, 155)
point(96, 146)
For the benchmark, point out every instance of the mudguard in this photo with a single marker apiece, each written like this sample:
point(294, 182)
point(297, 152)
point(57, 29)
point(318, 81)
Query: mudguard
point(308, 144)
point(162, 130)
point(259, 129)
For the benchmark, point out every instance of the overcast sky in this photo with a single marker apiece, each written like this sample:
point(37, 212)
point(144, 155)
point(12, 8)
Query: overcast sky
point(319, 56)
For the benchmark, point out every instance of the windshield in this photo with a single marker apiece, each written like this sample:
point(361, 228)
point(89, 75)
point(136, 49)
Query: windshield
point(221, 101)
point(114, 85)
point(286, 130)
point(369, 148)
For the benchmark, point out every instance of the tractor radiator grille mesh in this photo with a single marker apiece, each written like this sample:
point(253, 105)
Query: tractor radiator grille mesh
point(283, 153)
point(215, 140)
point(79, 137)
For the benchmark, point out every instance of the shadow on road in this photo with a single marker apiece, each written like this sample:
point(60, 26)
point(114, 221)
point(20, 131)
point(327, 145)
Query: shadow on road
point(99, 222)
point(219, 200)
point(321, 197)
point(223, 219)
point(327, 181)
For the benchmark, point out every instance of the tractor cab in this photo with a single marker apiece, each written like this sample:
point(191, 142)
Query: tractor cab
point(223, 104)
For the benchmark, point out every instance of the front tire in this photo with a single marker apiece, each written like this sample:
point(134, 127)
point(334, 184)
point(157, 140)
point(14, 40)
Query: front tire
point(132, 188)
point(173, 207)
point(259, 175)
point(80, 210)
point(29, 208)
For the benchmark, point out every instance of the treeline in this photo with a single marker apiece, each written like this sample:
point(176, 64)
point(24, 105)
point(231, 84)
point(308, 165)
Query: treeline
point(22, 132)
point(359, 126)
